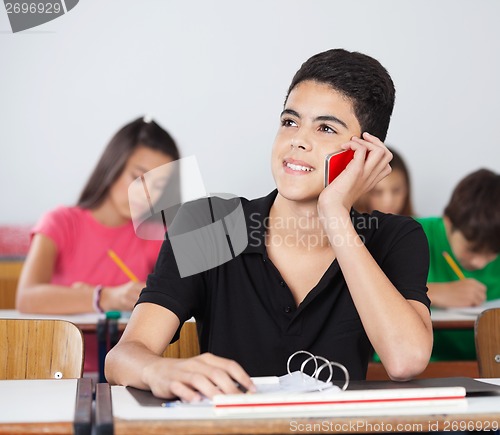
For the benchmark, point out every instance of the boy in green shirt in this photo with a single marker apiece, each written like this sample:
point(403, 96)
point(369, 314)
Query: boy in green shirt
point(469, 232)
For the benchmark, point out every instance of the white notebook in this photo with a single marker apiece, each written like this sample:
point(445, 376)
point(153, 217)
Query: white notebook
point(333, 398)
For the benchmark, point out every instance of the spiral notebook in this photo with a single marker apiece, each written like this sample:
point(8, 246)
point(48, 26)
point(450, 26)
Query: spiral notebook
point(315, 391)
point(299, 390)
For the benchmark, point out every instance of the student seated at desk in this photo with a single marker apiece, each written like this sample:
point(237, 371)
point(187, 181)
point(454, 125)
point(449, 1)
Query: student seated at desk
point(469, 232)
point(391, 194)
point(68, 269)
point(352, 285)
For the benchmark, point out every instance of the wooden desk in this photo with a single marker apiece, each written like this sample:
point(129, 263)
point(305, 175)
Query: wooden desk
point(477, 414)
point(62, 406)
point(89, 322)
point(94, 325)
point(435, 369)
point(107, 334)
point(441, 319)
point(86, 322)
point(460, 318)
point(451, 319)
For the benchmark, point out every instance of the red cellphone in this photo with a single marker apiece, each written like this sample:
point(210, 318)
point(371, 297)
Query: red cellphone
point(335, 163)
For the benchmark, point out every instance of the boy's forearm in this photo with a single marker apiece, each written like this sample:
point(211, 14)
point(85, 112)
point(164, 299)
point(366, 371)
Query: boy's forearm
point(127, 364)
point(399, 334)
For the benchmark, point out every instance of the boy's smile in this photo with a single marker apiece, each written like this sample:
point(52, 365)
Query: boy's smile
point(316, 121)
point(295, 167)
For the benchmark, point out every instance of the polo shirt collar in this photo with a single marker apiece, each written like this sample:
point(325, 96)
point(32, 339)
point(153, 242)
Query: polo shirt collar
point(257, 218)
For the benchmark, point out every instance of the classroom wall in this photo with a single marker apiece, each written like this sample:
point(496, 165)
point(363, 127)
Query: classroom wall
point(215, 73)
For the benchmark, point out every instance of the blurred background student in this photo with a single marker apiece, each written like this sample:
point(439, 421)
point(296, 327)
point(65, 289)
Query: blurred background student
point(392, 194)
point(68, 268)
point(464, 263)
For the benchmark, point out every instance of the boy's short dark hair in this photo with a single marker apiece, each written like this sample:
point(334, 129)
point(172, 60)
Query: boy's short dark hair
point(362, 79)
point(474, 210)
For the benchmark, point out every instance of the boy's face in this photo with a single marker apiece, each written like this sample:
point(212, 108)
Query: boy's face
point(315, 122)
point(463, 250)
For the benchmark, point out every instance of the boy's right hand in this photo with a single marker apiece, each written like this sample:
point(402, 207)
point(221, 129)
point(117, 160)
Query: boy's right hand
point(190, 379)
point(463, 293)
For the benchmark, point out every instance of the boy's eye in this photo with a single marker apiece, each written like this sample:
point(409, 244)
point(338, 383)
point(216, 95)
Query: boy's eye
point(326, 128)
point(285, 122)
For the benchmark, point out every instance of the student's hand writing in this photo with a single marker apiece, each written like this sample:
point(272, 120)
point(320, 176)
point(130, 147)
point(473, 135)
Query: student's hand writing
point(462, 293)
point(190, 379)
point(369, 165)
point(122, 297)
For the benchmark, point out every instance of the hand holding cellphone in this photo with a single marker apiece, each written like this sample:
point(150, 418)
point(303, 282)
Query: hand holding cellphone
point(335, 163)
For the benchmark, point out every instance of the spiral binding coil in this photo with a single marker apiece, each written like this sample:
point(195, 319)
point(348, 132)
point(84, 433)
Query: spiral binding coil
point(319, 368)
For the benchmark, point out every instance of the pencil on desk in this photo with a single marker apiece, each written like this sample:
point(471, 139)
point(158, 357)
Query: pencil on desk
point(122, 265)
point(453, 265)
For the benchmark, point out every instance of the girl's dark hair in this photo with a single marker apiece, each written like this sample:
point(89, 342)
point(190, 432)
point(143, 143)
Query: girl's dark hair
point(397, 163)
point(114, 158)
point(474, 210)
point(362, 79)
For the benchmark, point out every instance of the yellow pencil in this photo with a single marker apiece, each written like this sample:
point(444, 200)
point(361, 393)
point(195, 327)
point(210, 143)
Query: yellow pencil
point(453, 265)
point(122, 265)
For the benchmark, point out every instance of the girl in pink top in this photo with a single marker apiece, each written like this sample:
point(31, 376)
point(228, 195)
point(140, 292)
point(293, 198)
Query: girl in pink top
point(68, 269)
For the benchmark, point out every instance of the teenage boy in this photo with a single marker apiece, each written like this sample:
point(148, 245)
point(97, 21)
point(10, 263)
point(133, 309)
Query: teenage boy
point(359, 282)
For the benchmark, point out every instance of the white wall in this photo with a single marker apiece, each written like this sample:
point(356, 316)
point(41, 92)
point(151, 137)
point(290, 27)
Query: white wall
point(215, 73)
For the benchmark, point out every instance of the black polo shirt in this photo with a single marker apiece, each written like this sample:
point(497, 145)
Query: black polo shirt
point(245, 311)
